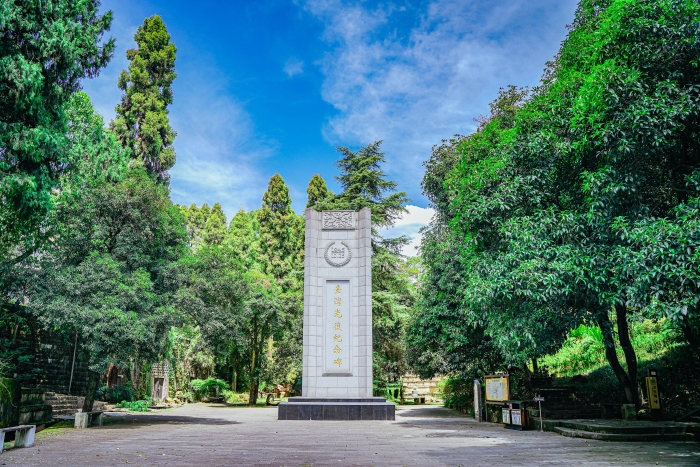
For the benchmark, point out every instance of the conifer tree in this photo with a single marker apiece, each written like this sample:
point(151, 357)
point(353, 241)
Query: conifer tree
point(281, 237)
point(317, 191)
point(142, 116)
point(243, 239)
point(215, 227)
point(365, 185)
point(45, 51)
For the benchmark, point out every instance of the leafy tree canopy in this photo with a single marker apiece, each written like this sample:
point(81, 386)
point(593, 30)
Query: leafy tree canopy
point(549, 200)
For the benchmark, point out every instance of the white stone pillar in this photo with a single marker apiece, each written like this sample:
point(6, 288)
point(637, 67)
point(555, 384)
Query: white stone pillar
point(337, 359)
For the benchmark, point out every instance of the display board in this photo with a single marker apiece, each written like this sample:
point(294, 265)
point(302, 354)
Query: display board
point(497, 388)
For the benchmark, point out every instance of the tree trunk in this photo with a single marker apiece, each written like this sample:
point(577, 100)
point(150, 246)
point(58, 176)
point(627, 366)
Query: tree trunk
point(630, 355)
point(535, 367)
point(93, 381)
point(689, 335)
point(253, 392)
point(611, 356)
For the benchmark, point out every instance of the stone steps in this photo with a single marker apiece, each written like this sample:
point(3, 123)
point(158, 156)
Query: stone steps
point(618, 430)
point(572, 433)
point(67, 405)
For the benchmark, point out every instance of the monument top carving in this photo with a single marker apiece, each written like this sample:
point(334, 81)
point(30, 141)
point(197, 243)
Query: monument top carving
point(339, 220)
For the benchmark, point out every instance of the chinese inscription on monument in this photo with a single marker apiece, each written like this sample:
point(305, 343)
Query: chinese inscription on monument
point(338, 343)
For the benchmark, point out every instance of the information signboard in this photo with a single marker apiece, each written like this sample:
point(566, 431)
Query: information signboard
point(497, 388)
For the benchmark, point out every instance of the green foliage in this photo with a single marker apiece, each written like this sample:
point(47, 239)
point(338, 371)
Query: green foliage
point(17, 359)
point(115, 394)
point(135, 406)
point(244, 240)
point(110, 272)
point(45, 51)
point(142, 123)
point(458, 392)
point(584, 350)
point(281, 235)
point(317, 191)
point(189, 356)
point(440, 340)
point(209, 387)
point(548, 203)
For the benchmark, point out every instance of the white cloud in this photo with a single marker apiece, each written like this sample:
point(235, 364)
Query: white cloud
point(293, 66)
point(410, 225)
point(413, 87)
point(218, 151)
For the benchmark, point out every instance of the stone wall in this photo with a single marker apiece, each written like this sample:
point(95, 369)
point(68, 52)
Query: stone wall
point(33, 410)
point(50, 368)
point(427, 388)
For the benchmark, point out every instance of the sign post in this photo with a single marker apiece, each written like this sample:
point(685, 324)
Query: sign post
point(653, 394)
point(539, 400)
point(477, 401)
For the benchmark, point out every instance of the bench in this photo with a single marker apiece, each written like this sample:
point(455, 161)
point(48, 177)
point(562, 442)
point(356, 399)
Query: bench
point(24, 435)
point(418, 400)
point(85, 419)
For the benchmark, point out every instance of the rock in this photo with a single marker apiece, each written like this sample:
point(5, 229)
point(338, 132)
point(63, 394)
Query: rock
point(629, 412)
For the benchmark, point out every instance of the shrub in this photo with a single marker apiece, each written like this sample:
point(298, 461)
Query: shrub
point(208, 387)
point(115, 394)
point(135, 406)
point(231, 396)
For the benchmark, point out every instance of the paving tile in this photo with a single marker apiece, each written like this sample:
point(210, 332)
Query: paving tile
point(210, 435)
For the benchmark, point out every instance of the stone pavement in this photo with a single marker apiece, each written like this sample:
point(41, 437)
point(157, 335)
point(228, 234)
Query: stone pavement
point(209, 435)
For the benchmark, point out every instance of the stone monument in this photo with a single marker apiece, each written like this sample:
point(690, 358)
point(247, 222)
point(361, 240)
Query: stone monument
point(337, 362)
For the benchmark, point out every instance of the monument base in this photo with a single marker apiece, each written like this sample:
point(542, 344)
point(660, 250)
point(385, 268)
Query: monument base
point(331, 408)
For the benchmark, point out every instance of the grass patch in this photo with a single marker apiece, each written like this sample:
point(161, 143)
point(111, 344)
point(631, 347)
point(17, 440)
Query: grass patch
point(584, 352)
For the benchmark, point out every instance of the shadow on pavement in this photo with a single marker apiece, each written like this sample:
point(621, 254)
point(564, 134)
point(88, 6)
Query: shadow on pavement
point(133, 421)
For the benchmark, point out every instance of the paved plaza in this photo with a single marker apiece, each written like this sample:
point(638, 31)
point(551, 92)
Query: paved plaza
point(208, 435)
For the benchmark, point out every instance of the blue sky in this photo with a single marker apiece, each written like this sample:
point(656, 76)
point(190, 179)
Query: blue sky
point(275, 86)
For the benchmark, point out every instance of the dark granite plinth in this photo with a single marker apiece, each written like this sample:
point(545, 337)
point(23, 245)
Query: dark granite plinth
point(316, 408)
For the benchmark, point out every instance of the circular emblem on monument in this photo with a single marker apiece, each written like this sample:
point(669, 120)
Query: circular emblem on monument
point(338, 254)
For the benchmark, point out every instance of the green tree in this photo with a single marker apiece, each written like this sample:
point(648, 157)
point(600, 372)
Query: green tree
point(281, 235)
point(543, 201)
point(45, 51)
point(93, 153)
point(365, 185)
point(317, 191)
point(243, 237)
point(142, 122)
point(440, 341)
point(110, 275)
point(263, 318)
point(214, 301)
point(215, 227)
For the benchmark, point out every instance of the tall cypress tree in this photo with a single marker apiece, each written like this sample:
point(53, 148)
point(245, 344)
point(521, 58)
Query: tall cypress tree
point(317, 191)
point(281, 232)
point(142, 116)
